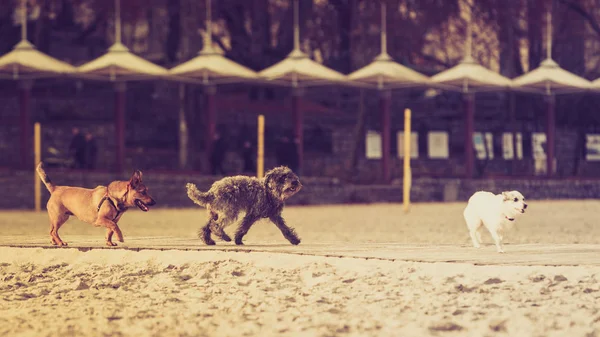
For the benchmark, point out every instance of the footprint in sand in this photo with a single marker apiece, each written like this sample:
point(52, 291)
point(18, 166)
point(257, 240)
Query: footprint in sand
point(445, 326)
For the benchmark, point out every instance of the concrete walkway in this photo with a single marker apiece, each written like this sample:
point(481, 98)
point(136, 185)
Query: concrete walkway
point(518, 254)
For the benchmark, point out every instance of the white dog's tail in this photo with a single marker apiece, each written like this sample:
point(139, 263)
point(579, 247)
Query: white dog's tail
point(198, 197)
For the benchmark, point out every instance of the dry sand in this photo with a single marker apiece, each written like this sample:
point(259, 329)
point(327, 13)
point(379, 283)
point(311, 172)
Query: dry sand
point(66, 292)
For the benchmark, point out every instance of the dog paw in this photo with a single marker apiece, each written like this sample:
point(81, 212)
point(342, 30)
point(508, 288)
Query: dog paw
point(501, 251)
point(110, 244)
point(239, 242)
point(64, 244)
point(210, 242)
point(226, 238)
point(294, 241)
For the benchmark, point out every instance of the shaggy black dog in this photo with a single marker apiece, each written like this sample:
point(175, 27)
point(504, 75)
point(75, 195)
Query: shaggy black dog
point(258, 198)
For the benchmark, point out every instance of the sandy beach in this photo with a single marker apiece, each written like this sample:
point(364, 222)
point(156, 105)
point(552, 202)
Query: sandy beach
point(117, 292)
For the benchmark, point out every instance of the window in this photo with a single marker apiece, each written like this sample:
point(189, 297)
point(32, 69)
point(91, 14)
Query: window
point(592, 147)
point(538, 145)
point(483, 145)
point(437, 142)
point(508, 151)
point(373, 145)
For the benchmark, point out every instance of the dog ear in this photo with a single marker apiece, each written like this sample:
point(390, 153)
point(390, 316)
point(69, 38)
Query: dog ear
point(505, 196)
point(269, 177)
point(136, 179)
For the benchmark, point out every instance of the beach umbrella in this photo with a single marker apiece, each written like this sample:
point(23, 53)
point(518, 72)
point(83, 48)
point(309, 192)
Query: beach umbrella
point(386, 74)
point(209, 68)
point(469, 77)
point(24, 63)
point(298, 71)
point(118, 66)
point(550, 79)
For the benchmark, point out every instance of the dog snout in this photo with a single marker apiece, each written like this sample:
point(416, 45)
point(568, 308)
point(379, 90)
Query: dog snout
point(151, 203)
point(524, 206)
point(295, 183)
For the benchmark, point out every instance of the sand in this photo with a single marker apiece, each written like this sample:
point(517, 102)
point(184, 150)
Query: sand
point(115, 292)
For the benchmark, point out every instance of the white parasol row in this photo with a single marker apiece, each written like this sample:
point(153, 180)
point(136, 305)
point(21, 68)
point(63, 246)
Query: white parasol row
point(296, 70)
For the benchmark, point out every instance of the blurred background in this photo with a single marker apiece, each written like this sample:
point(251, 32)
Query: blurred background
point(342, 131)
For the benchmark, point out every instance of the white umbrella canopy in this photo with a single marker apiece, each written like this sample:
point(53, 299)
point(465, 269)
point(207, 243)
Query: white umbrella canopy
point(119, 64)
point(26, 62)
point(297, 69)
point(595, 84)
point(550, 78)
point(211, 67)
point(384, 72)
point(469, 75)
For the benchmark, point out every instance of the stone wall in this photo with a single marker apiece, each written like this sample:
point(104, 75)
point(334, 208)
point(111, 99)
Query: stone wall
point(169, 189)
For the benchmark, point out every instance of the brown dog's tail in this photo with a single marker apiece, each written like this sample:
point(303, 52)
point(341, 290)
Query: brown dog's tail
point(198, 197)
point(40, 171)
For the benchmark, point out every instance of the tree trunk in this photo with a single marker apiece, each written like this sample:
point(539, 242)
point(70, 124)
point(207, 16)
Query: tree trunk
point(345, 10)
point(510, 56)
point(174, 30)
point(535, 14)
point(261, 35)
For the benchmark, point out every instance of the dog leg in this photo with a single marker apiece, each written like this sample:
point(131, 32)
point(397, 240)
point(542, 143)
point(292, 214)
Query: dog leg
point(247, 222)
point(218, 231)
point(498, 241)
point(55, 226)
point(204, 234)
point(112, 228)
point(109, 234)
point(287, 232)
point(478, 232)
point(474, 224)
point(473, 233)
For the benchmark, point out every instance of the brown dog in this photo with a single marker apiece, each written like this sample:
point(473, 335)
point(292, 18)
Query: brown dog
point(102, 206)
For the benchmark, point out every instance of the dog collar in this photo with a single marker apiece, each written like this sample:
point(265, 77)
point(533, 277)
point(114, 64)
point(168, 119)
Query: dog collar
point(509, 219)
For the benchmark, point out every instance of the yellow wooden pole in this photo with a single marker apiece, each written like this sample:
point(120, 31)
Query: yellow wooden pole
point(260, 160)
point(37, 150)
point(407, 150)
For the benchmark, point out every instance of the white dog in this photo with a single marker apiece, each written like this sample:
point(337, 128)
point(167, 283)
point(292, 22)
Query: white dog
point(497, 212)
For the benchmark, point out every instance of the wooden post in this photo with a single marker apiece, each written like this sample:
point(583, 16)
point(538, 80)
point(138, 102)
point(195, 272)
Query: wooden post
point(260, 155)
point(469, 129)
point(385, 105)
point(120, 102)
point(407, 181)
point(210, 124)
point(550, 134)
point(37, 151)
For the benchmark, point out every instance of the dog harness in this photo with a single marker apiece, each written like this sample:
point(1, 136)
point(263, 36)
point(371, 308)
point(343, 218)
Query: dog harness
point(106, 197)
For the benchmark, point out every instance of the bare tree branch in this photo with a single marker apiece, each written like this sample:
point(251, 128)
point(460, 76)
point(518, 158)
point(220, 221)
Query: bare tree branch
point(585, 14)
